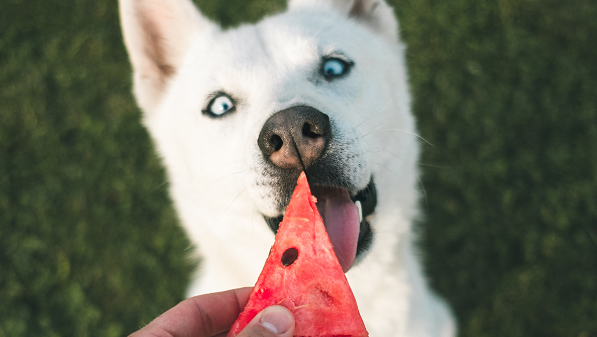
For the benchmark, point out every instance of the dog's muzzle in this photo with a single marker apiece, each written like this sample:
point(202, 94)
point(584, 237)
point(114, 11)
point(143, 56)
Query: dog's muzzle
point(293, 140)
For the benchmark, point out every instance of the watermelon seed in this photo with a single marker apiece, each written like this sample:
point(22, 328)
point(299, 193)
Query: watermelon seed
point(289, 256)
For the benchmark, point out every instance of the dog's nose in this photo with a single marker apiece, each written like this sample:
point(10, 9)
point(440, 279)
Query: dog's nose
point(295, 137)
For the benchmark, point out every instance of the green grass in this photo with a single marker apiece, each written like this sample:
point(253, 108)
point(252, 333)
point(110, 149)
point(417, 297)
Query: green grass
point(505, 91)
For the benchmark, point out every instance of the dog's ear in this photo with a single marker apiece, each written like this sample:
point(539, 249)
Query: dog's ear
point(373, 13)
point(157, 35)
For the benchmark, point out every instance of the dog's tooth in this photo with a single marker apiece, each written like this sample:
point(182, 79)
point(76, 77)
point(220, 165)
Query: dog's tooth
point(358, 203)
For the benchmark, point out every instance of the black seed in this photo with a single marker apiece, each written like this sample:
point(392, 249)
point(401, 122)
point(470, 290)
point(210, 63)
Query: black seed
point(289, 256)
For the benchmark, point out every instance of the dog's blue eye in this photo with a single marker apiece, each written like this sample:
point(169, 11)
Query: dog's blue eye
point(220, 105)
point(334, 67)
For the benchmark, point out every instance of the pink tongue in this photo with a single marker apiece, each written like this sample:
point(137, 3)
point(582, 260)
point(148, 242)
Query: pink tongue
point(341, 219)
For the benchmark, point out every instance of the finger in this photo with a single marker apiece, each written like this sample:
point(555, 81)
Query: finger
point(200, 316)
point(274, 321)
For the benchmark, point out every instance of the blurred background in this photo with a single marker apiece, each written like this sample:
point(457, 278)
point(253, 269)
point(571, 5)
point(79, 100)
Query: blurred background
point(505, 90)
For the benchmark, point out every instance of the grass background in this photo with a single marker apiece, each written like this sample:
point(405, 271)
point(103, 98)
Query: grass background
point(505, 90)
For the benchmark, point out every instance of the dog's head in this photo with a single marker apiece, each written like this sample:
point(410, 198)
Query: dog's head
point(320, 88)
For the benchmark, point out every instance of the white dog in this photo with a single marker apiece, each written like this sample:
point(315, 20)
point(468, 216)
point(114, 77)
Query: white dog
point(236, 116)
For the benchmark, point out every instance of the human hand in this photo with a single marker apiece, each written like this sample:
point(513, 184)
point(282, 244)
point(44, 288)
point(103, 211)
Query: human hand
point(212, 315)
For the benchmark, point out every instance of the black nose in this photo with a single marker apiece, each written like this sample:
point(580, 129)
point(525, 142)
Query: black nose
point(295, 137)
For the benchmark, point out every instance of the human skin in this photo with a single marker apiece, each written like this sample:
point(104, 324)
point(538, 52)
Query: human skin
point(212, 315)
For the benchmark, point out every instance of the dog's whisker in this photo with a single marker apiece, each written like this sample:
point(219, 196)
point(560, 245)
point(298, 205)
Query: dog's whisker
point(375, 129)
point(414, 134)
point(390, 153)
point(373, 115)
point(217, 180)
point(402, 159)
point(162, 184)
point(221, 164)
point(394, 174)
point(424, 192)
point(418, 177)
point(399, 130)
point(435, 166)
point(222, 214)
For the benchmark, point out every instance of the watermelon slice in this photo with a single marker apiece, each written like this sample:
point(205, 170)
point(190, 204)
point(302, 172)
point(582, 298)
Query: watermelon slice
point(303, 274)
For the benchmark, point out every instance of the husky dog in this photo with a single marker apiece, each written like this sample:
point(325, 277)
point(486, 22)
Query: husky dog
point(237, 114)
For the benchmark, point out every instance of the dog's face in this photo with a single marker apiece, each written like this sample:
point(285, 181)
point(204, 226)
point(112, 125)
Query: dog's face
point(319, 88)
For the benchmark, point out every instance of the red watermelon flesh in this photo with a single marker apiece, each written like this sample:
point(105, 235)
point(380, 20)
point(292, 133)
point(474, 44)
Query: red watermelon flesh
point(303, 274)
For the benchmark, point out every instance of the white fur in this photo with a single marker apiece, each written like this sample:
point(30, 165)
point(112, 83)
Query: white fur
point(217, 181)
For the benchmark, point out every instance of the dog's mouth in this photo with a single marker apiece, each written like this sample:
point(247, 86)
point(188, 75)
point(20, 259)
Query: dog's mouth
point(345, 217)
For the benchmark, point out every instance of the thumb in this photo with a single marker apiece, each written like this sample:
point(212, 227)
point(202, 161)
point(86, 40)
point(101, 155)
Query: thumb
point(274, 321)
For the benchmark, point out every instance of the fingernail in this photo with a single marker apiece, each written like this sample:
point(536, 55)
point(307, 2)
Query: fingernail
point(276, 319)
